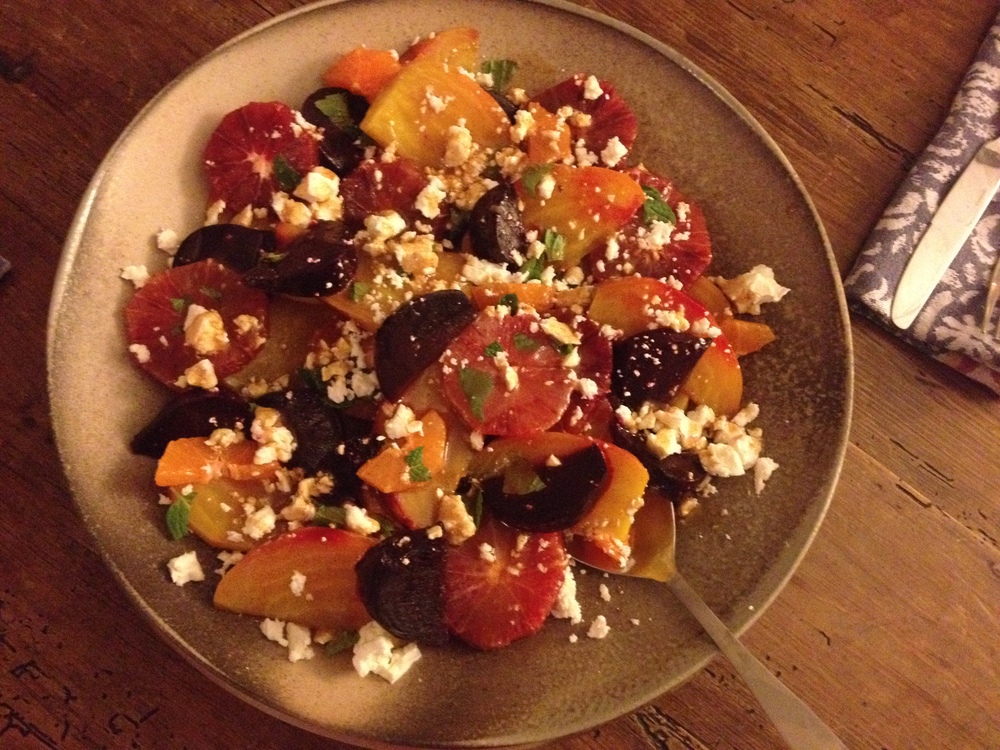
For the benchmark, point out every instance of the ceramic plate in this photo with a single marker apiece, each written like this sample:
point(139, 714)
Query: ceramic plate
point(542, 687)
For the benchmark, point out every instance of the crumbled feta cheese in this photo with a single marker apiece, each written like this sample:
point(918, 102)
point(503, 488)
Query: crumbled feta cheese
point(560, 331)
point(260, 522)
point(276, 441)
point(604, 592)
point(318, 186)
point(138, 275)
point(429, 199)
point(403, 423)
point(721, 460)
point(358, 520)
point(459, 146)
point(204, 331)
point(376, 652)
point(274, 630)
point(750, 290)
point(201, 375)
point(167, 241)
point(228, 558)
point(298, 583)
point(383, 226)
point(487, 552)
point(185, 568)
point(456, 520)
point(592, 89)
point(546, 186)
point(299, 640)
point(524, 123)
point(762, 471)
point(598, 628)
point(613, 152)
point(141, 352)
point(566, 606)
point(213, 212)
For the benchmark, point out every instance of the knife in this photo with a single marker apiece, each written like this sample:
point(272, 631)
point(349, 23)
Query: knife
point(951, 226)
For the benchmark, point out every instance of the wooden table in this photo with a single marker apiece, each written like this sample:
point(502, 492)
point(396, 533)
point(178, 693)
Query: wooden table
point(889, 629)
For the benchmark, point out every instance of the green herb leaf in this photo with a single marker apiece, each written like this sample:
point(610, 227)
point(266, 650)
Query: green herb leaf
point(415, 461)
point(555, 244)
point(335, 107)
point(285, 174)
point(210, 292)
point(312, 379)
point(493, 349)
point(178, 516)
point(473, 500)
point(330, 515)
point(502, 72)
point(524, 343)
point(509, 301)
point(532, 268)
point(564, 349)
point(533, 175)
point(341, 642)
point(655, 208)
point(358, 290)
point(520, 478)
point(477, 386)
point(272, 257)
point(179, 303)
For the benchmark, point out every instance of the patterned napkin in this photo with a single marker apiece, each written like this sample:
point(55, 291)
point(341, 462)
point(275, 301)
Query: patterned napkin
point(948, 327)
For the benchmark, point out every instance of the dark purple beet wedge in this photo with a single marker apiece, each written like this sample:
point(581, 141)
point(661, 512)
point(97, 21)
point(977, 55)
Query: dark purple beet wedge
point(652, 365)
point(415, 335)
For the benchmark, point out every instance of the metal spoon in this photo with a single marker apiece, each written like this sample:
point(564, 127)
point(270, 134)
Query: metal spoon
point(795, 721)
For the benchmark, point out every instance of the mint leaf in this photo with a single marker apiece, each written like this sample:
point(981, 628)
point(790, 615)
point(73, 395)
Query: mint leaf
point(655, 208)
point(342, 641)
point(179, 515)
point(473, 500)
point(564, 349)
point(358, 290)
point(415, 461)
point(509, 301)
point(330, 515)
point(288, 179)
point(493, 349)
point(179, 303)
point(533, 175)
point(210, 292)
point(520, 478)
point(501, 70)
point(335, 107)
point(555, 244)
point(532, 268)
point(524, 343)
point(477, 386)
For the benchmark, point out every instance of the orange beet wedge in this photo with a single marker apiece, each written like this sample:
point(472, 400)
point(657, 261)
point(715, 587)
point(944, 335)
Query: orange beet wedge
point(587, 206)
point(363, 71)
point(193, 461)
point(457, 46)
point(389, 470)
point(260, 583)
point(417, 108)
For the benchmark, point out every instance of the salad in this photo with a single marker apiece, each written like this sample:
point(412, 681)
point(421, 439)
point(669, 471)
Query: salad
point(438, 342)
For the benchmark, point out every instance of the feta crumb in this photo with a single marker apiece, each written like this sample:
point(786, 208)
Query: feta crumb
point(299, 637)
point(167, 241)
point(274, 630)
point(592, 89)
point(376, 652)
point(487, 552)
point(403, 423)
point(260, 522)
point(605, 592)
point(138, 275)
point(298, 583)
point(429, 199)
point(141, 352)
point(566, 606)
point(213, 212)
point(204, 331)
point(228, 559)
point(185, 568)
point(750, 290)
point(721, 460)
point(201, 375)
point(358, 520)
point(598, 628)
point(762, 471)
point(613, 152)
point(458, 523)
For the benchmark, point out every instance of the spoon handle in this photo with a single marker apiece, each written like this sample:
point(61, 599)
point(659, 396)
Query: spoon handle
point(795, 721)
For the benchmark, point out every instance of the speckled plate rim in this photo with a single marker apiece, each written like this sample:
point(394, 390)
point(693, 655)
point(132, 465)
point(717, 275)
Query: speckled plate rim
point(778, 575)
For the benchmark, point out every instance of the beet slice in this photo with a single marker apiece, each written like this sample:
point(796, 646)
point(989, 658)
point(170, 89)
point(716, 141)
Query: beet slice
point(415, 335)
point(677, 475)
point(191, 414)
point(401, 583)
point(496, 231)
point(547, 498)
point(339, 113)
point(653, 364)
point(319, 263)
point(237, 247)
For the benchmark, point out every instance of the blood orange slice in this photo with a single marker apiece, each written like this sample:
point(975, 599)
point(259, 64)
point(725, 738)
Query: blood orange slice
point(686, 254)
point(382, 186)
point(610, 116)
point(255, 151)
point(155, 317)
point(477, 381)
point(500, 585)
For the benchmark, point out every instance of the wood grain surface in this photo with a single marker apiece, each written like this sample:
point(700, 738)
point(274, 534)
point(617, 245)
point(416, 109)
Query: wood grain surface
point(889, 629)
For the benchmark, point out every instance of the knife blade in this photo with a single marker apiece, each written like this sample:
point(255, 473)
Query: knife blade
point(950, 227)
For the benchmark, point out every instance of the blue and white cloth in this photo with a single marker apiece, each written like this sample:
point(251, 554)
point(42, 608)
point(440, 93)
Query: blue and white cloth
point(949, 326)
